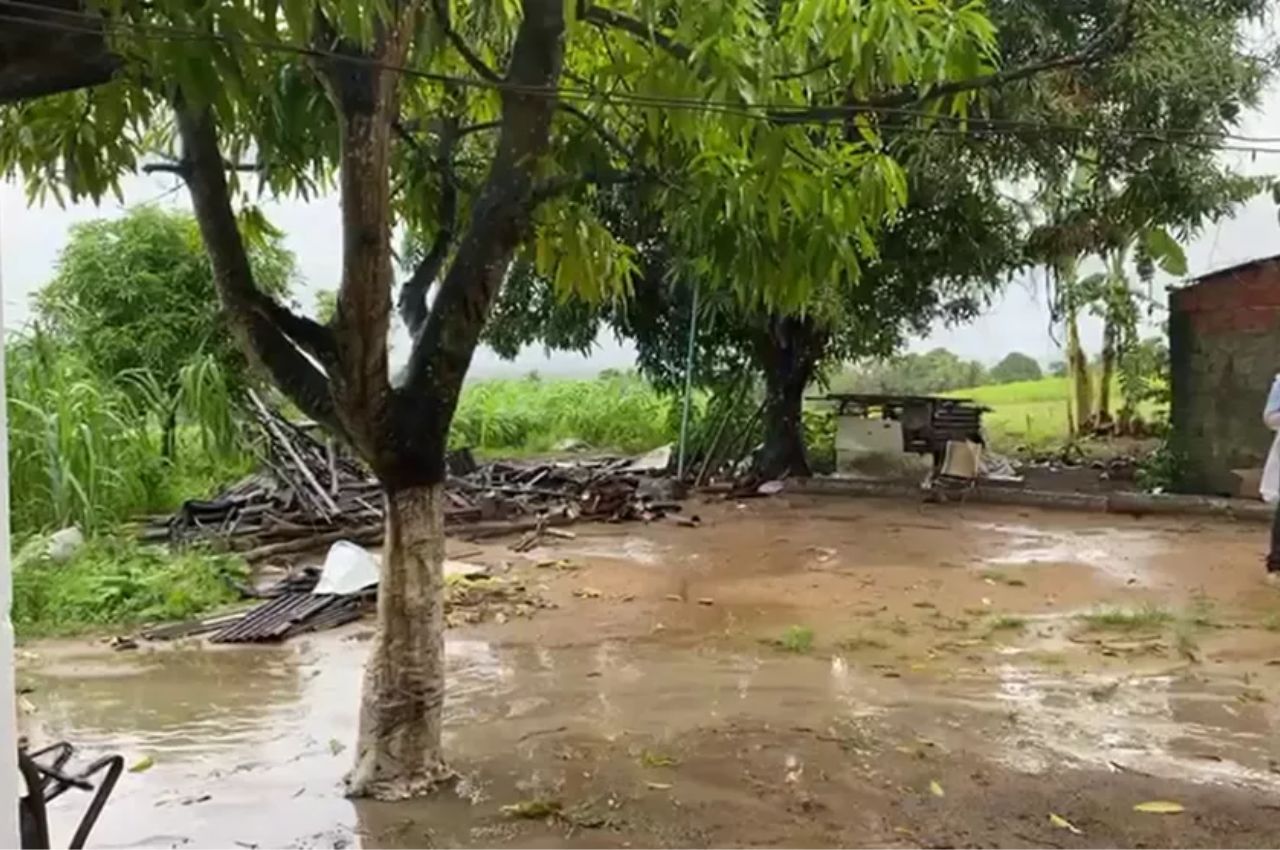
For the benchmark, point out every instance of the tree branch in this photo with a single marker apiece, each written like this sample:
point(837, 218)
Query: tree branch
point(600, 129)
point(1095, 51)
point(364, 95)
point(913, 97)
point(1092, 52)
point(460, 44)
point(269, 331)
point(499, 220)
point(617, 20)
point(181, 167)
point(413, 294)
point(552, 186)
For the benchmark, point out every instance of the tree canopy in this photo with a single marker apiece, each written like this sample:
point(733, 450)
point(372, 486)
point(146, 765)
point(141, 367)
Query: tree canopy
point(137, 293)
point(1015, 366)
point(1144, 124)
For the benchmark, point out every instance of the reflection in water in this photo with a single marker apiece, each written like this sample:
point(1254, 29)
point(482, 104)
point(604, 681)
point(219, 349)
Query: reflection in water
point(193, 701)
point(1123, 556)
point(250, 745)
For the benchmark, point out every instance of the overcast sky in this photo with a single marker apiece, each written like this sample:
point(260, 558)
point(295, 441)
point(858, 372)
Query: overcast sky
point(30, 239)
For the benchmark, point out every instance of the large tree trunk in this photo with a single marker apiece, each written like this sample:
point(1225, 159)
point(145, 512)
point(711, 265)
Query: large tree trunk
point(788, 349)
point(399, 750)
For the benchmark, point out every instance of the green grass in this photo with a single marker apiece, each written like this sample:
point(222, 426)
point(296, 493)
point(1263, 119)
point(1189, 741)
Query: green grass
point(1032, 414)
point(87, 449)
point(1127, 619)
point(617, 412)
point(1008, 623)
point(113, 582)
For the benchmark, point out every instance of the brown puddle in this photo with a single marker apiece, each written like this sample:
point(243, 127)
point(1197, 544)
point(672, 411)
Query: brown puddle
point(649, 720)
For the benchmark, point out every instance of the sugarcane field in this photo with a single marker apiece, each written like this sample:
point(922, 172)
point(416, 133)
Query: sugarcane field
point(640, 423)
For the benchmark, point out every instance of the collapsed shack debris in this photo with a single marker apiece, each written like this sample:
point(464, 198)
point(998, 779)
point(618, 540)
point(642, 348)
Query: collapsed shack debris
point(309, 494)
point(292, 608)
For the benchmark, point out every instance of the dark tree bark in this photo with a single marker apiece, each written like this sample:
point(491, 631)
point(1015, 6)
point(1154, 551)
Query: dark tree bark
point(788, 349)
point(51, 49)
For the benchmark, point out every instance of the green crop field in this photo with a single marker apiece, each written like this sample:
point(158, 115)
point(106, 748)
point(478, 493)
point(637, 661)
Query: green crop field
point(1031, 414)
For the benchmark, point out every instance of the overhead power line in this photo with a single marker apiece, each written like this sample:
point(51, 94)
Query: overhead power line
point(960, 125)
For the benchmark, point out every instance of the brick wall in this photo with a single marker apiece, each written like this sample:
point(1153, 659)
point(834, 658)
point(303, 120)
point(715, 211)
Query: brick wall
point(1224, 343)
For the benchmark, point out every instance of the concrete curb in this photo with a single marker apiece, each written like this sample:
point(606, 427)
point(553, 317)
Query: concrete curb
point(1133, 504)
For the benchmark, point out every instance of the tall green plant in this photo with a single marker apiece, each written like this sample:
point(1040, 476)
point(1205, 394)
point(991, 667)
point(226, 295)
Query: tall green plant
point(87, 450)
point(80, 449)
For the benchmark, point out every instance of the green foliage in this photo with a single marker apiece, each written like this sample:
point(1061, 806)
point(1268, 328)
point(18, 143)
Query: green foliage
point(796, 639)
point(1127, 619)
point(760, 200)
point(820, 439)
point(913, 374)
point(114, 581)
point(1161, 470)
point(619, 412)
point(137, 293)
point(1144, 372)
point(326, 305)
point(82, 450)
point(1015, 366)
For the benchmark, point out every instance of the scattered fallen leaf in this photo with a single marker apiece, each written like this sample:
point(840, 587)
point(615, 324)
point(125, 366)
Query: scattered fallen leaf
point(659, 786)
point(143, 764)
point(1159, 807)
point(336, 746)
point(674, 597)
point(1062, 823)
point(706, 600)
point(651, 759)
point(587, 593)
point(935, 788)
point(533, 809)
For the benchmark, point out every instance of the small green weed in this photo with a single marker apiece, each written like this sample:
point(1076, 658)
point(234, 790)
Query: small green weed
point(112, 582)
point(1008, 623)
point(1127, 619)
point(797, 639)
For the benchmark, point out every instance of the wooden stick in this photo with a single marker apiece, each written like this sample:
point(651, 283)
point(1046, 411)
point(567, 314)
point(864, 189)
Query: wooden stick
point(288, 447)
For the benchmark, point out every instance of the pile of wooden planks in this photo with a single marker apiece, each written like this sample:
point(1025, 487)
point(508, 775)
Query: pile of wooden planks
point(308, 494)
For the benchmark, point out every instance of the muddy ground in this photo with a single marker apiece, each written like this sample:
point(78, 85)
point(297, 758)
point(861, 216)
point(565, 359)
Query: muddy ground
point(800, 671)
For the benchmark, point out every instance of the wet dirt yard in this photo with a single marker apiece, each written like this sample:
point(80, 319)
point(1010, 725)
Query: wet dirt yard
point(800, 671)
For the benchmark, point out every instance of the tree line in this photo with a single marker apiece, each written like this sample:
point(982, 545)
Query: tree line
point(935, 371)
point(780, 187)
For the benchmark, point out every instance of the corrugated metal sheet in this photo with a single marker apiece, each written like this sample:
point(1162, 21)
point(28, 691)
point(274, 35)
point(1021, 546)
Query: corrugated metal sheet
point(277, 618)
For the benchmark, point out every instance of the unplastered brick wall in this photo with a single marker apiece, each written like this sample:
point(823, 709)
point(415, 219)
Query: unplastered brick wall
point(1224, 336)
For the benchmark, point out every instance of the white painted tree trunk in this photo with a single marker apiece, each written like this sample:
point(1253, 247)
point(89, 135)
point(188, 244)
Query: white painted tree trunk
point(398, 753)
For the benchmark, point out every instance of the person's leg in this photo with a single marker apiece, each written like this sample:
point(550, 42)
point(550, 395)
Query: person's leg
point(1273, 556)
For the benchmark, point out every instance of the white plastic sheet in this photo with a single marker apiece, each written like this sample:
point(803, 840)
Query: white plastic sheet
point(348, 568)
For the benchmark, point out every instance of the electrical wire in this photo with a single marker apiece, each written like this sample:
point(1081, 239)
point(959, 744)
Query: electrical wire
point(781, 112)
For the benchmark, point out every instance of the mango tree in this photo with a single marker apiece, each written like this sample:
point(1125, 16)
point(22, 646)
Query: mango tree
point(485, 130)
point(1143, 90)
